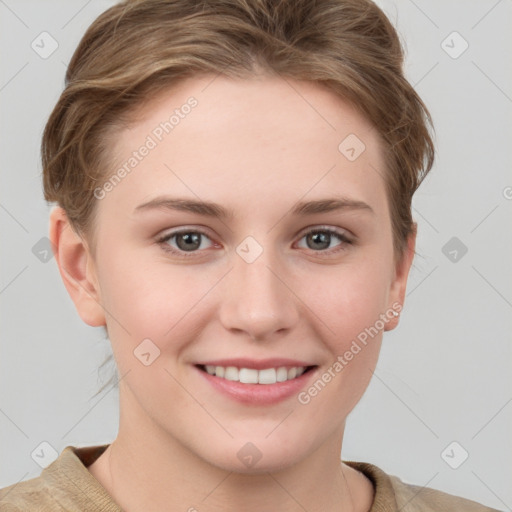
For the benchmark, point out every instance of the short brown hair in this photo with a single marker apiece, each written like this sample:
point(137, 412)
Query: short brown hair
point(138, 48)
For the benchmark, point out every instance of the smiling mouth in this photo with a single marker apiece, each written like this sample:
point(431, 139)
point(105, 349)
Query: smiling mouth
point(253, 376)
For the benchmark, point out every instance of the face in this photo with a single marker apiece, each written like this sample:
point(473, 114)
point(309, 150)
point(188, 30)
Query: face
point(269, 276)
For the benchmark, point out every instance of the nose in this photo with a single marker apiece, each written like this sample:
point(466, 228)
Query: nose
point(257, 298)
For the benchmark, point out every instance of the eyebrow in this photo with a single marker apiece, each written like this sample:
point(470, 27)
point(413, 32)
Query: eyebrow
point(215, 210)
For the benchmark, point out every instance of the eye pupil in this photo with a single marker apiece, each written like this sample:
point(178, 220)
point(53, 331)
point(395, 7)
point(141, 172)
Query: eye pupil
point(320, 237)
point(192, 241)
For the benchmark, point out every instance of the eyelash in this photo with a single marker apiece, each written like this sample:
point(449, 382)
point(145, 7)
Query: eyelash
point(343, 238)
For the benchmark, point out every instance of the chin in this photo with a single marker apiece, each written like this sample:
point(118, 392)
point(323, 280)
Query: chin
point(255, 457)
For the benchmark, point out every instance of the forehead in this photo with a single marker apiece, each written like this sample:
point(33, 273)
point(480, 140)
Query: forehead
point(262, 106)
point(239, 139)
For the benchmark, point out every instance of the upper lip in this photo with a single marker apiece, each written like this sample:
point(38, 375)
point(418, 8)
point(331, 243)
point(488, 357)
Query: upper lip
point(260, 364)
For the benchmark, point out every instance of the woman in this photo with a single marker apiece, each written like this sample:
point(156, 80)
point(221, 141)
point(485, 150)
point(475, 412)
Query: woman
point(234, 182)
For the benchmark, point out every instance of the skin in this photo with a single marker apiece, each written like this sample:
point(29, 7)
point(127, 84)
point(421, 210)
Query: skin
point(256, 146)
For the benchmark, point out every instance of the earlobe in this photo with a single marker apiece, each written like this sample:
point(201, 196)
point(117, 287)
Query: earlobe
point(399, 285)
point(76, 268)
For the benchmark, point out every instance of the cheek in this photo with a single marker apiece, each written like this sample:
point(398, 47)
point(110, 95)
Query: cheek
point(348, 300)
point(148, 298)
point(349, 310)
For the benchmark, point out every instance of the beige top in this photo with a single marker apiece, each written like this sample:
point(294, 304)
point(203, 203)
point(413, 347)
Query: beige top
point(66, 484)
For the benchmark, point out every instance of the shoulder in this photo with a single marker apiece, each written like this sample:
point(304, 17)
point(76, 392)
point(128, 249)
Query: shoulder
point(65, 484)
point(415, 498)
point(28, 495)
point(391, 493)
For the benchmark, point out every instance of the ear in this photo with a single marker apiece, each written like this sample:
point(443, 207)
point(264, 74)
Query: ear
point(76, 267)
point(399, 284)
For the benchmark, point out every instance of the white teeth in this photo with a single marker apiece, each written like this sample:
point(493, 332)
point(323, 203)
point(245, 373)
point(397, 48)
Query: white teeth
point(248, 376)
point(282, 374)
point(231, 373)
point(252, 376)
point(267, 376)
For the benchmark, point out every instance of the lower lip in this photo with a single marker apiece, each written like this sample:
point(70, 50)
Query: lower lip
point(258, 394)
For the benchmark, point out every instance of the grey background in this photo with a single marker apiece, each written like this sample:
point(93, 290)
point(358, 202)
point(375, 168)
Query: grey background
point(443, 375)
